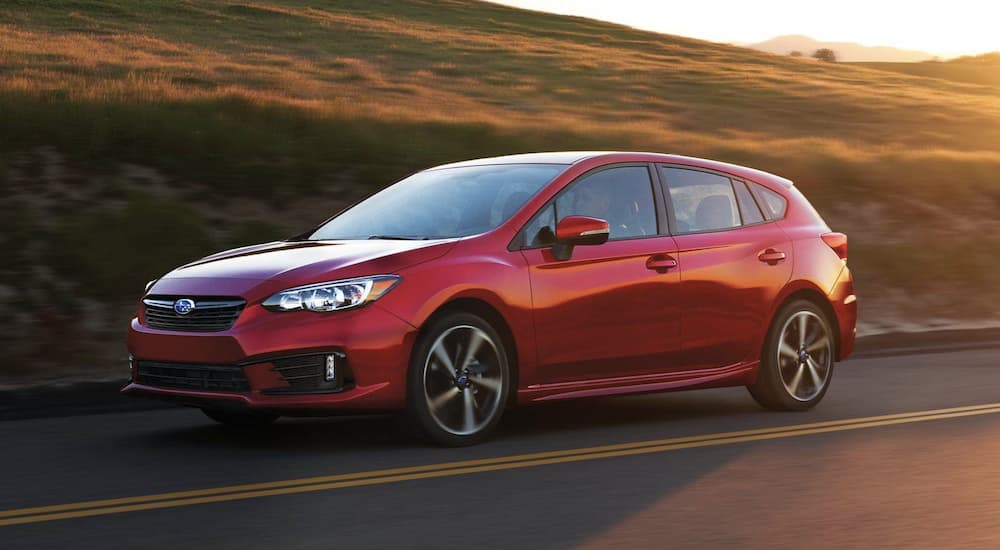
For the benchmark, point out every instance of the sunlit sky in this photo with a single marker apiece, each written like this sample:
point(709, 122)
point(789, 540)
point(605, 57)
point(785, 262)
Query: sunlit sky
point(947, 29)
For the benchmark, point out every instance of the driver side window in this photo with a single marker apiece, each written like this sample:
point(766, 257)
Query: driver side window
point(623, 196)
point(541, 230)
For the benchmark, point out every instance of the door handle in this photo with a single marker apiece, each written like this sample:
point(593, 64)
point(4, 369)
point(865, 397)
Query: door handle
point(661, 263)
point(771, 256)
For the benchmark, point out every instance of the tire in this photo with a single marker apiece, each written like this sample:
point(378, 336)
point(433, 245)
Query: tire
point(455, 399)
point(795, 368)
point(240, 419)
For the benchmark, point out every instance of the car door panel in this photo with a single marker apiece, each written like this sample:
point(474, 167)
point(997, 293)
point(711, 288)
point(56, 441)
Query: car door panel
point(733, 265)
point(728, 284)
point(610, 310)
point(604, 312)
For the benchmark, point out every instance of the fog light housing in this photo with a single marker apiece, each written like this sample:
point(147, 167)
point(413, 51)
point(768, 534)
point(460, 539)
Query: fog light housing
point(331, 368)
point(328, 372)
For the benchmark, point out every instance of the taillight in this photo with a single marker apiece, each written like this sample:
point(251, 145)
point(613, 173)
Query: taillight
point(838, 242)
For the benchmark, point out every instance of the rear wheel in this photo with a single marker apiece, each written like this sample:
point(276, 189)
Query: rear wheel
point(459, 380)
point(240, 419)
point(797, 362)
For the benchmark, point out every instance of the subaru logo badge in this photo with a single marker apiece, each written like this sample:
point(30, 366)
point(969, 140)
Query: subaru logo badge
point(184, 306)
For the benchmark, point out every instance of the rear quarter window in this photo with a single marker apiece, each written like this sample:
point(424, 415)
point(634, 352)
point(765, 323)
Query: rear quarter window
point(748, 206)
point(773, 203)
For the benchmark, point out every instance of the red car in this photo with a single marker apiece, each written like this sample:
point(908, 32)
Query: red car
point(474, 286)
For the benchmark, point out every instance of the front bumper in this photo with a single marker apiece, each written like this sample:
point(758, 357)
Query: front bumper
point(374, 343)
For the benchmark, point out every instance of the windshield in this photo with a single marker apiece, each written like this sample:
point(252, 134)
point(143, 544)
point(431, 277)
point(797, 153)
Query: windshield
point(449, 202)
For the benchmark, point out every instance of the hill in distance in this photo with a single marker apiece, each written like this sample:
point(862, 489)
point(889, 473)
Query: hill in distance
point(846, 51)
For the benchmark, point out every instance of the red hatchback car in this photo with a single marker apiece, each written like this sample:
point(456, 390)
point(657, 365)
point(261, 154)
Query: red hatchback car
point(473, 286)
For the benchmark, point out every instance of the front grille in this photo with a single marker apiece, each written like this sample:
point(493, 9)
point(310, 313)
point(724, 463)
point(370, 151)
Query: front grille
point(210, 314)
point(191, 376)
point(307, 374)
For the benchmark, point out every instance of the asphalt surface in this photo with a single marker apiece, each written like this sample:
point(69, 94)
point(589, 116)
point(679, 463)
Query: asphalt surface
point(788, 480)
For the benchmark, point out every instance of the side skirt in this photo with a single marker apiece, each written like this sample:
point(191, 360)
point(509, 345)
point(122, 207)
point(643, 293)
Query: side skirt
point(732, 375)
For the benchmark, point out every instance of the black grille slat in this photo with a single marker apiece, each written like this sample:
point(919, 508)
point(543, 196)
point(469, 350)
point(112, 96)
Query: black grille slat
point(199, 324)
point(161, 315)
point(299, 362)
point(191, 376)
point(305, 377)
point(297, 367)
point(296, 371)
point(193, 315)
point(192, 325)
point(211, 314)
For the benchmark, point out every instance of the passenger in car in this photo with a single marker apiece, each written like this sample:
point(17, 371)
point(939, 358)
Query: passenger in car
point(714, 212)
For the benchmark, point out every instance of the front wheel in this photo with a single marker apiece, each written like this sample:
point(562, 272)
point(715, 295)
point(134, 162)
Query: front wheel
point(458, 381)
point(797, 362)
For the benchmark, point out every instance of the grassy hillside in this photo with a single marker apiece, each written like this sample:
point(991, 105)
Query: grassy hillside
point(138, 134)
point(983, 69)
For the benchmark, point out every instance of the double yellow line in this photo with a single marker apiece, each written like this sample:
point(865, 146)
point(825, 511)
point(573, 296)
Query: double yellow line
point(446, 469)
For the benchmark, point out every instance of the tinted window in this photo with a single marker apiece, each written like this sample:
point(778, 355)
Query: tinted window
point(622, 196)
point(748, 207)
point(448, 202)
point(701, 201)
point(773, 203)
point(541, 230)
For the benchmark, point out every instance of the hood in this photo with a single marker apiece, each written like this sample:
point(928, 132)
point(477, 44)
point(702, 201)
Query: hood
point(297, 263)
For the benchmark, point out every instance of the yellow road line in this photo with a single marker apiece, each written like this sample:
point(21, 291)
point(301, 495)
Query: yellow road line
point(375, 477)
point(466, 463)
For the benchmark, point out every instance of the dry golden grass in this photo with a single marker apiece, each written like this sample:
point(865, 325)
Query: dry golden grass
point(982, 70)
point(386, 66)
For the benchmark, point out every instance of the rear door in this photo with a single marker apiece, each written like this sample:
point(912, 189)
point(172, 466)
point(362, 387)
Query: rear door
point(610, 310)
point(733, 265)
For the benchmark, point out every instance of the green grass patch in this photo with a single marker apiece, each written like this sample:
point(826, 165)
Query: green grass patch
point(111, 252)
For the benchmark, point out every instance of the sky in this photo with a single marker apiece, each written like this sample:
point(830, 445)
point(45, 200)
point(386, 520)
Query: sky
point(946, 29)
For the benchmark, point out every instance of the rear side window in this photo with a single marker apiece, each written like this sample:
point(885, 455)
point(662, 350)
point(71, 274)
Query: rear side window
point(773, 203)
point(701, 201)
point(748, 207)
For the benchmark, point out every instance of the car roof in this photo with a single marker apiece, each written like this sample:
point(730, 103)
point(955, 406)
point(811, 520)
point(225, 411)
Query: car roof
point(575, 157)
point(553, 157)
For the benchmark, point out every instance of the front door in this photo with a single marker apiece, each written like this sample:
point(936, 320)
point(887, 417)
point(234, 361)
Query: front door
point(610, 310)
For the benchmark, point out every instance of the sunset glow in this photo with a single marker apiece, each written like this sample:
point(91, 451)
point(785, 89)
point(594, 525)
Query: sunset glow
point(961, 27)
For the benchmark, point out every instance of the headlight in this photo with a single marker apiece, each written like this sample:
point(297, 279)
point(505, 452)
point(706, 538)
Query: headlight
point(332, 296)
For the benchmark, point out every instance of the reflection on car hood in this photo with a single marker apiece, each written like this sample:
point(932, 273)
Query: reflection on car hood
point(303, 262)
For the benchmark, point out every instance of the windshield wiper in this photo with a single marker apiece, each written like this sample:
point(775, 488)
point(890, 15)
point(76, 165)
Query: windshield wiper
point(398, 237)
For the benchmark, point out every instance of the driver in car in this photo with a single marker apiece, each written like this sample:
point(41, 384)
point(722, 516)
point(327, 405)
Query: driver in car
point(596, 202)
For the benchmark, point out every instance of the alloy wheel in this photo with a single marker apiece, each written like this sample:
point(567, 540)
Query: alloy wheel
point(805, 355)
point(463, 380)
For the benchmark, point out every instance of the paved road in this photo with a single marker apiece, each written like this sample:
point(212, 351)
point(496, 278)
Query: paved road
point(854, 473)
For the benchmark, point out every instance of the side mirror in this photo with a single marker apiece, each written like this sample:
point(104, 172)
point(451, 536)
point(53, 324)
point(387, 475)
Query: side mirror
point(579, 230)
